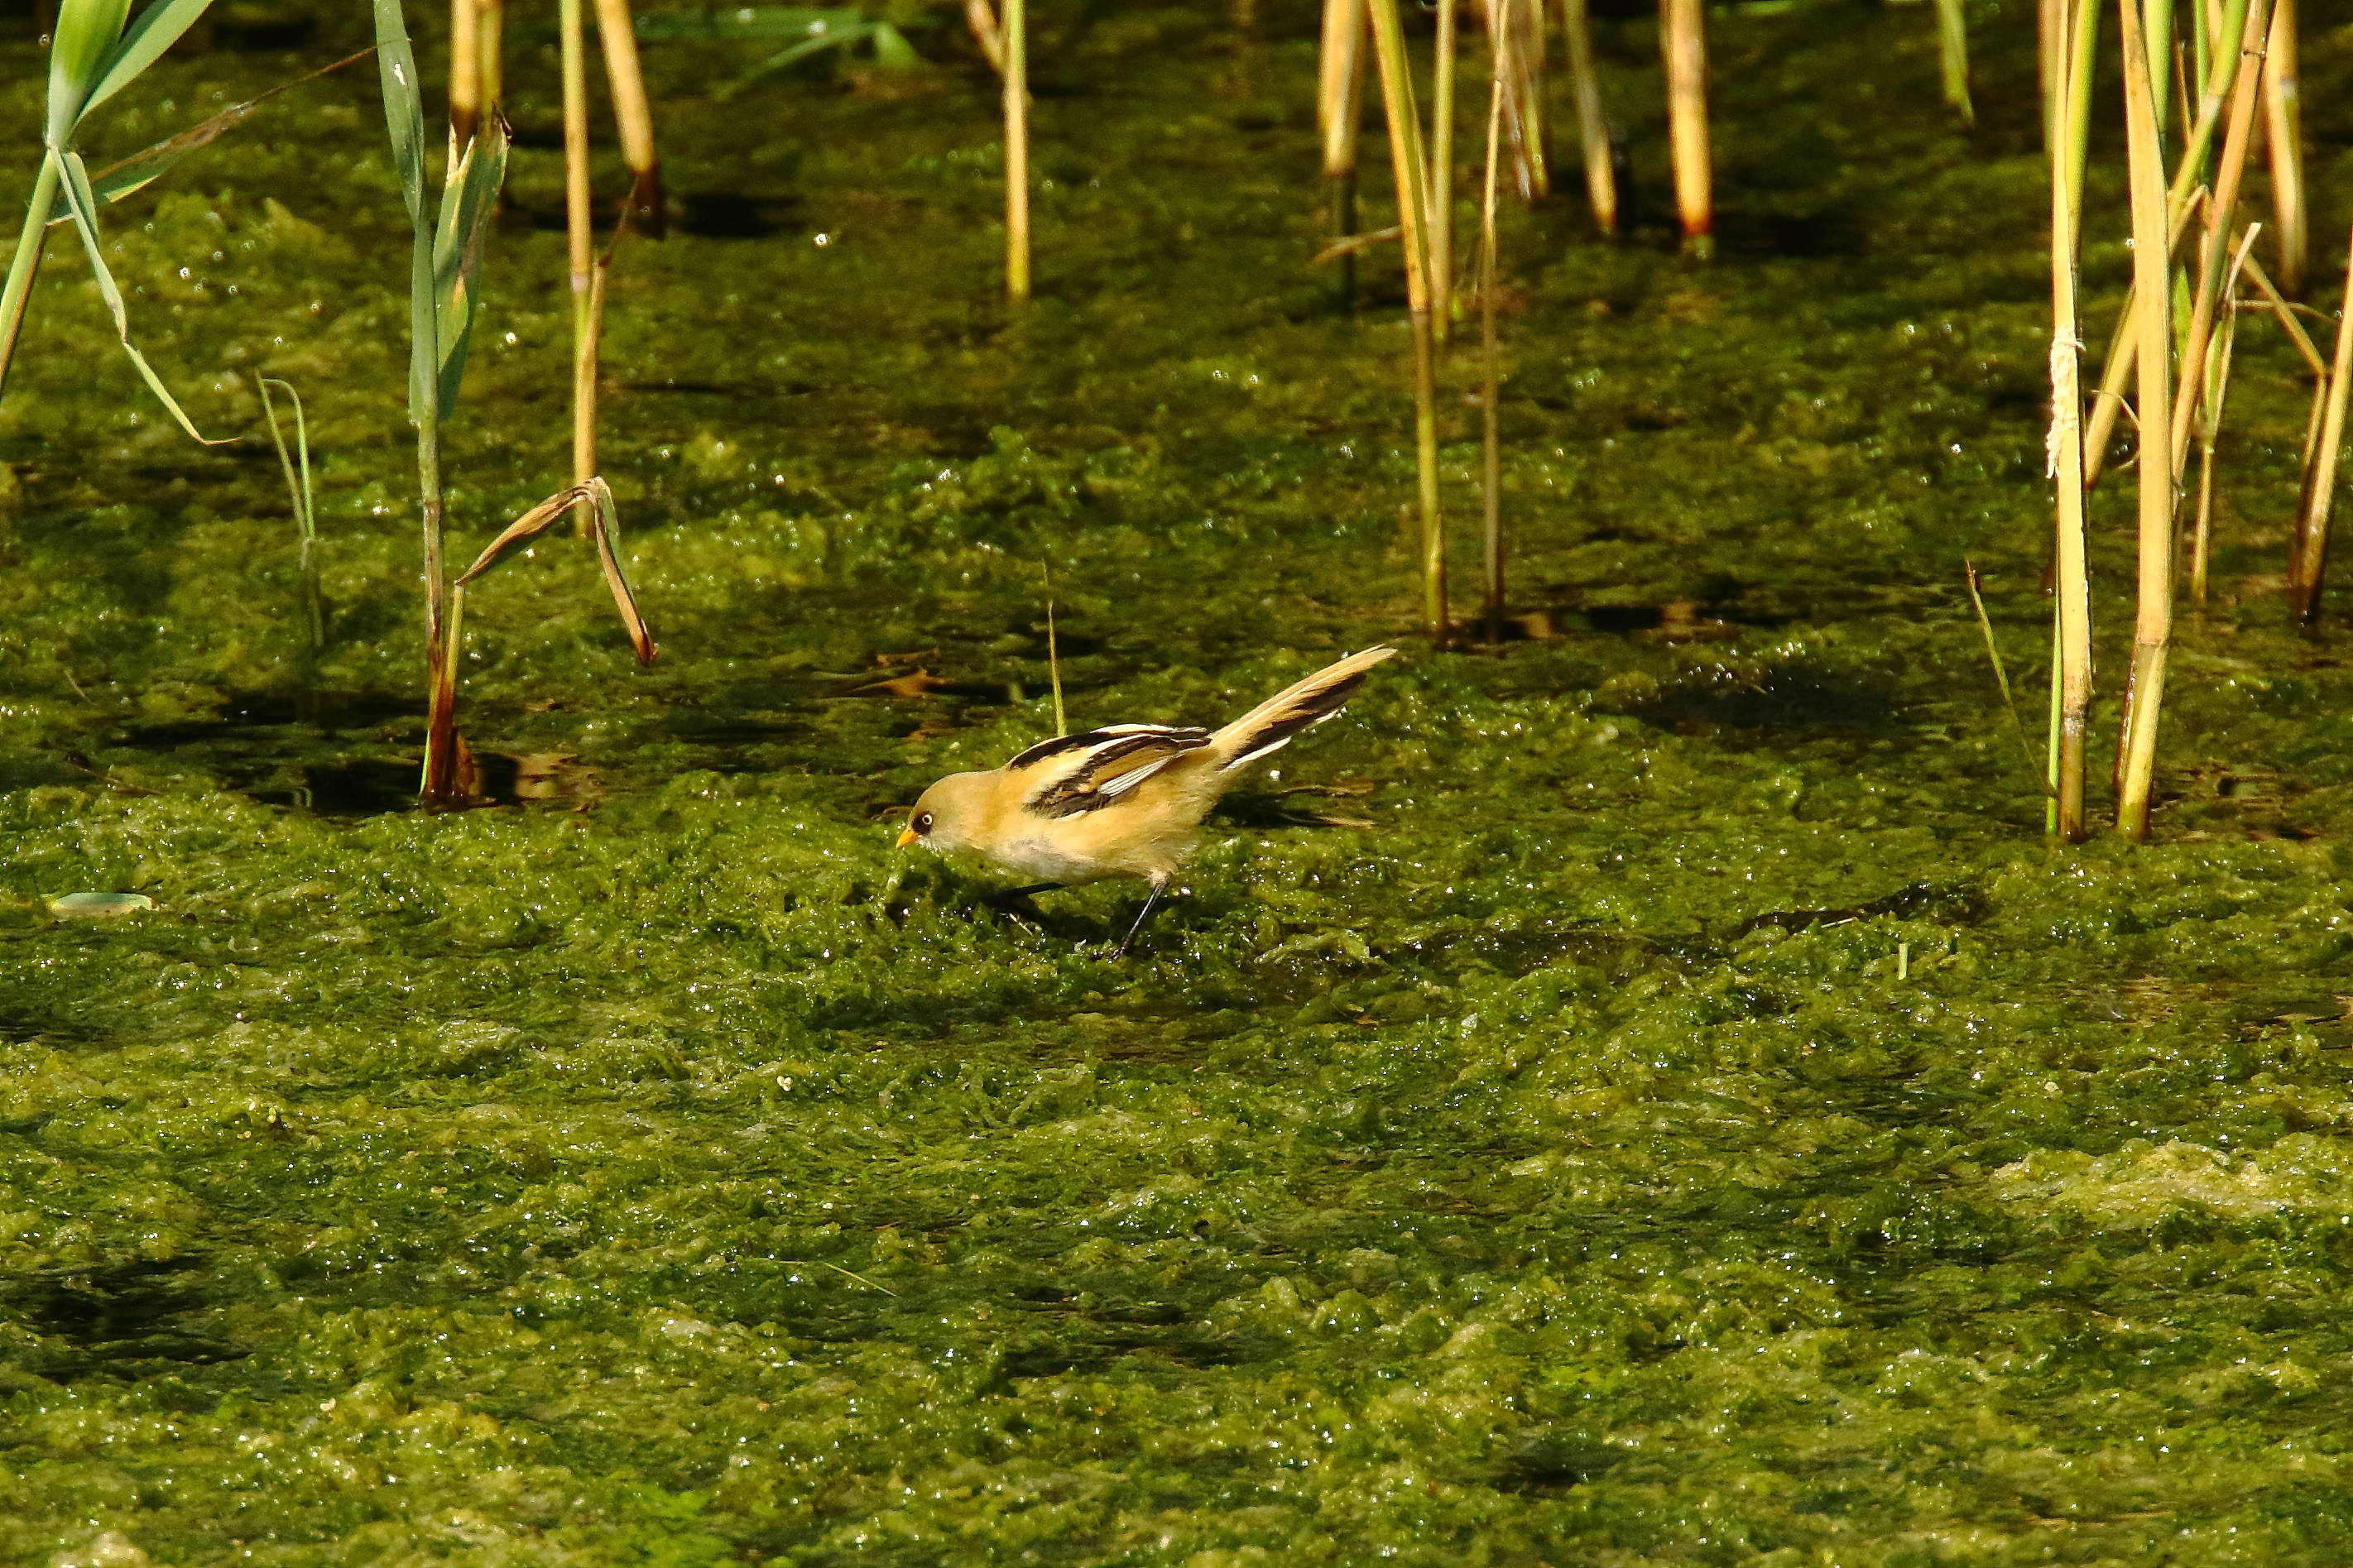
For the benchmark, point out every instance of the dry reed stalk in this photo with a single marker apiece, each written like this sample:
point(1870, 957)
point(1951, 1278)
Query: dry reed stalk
point(1527, 119)
point(634, 114)
point(1413, 195)
point(2188, 182)
point(1441, 171)
point(1017, 151)
point(465, 74)
point(1491, 437)
point(2076, 30)
point(2214, 255)
point(1339, 110)
point(1683, 44)
point(1592, 130)
point(2286, 313)
point(1953, 56)
point(580, 245)
point(981, 18)
point(2214, 392)
point(2284, 125)
point(2308, 559)
point(2143, 697)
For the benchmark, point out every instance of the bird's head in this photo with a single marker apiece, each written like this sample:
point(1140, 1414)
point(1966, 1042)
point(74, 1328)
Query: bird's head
point(947, 814)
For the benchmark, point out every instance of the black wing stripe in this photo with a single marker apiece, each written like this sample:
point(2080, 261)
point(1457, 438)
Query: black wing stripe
point(1279, 733)
point(1077, 791)
point(1061, 743)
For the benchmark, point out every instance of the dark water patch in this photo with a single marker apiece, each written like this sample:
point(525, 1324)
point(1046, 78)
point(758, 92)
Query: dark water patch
point(1796, 696)
point(1949, 904)
point(732, 214)
point(111, 1317)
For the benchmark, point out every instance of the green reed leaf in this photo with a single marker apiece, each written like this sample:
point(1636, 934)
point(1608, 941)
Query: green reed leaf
point(86, 32)
point(157, 28)
point(85, 217)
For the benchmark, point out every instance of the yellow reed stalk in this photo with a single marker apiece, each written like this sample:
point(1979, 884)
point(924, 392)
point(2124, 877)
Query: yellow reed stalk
point(1441, 172)
point(2152, 625)
point(580, 245)
point(1339, 110)
point(1592, 132)
point(2308, 561)
point(465, 75)
point(1413, 196)
point(2188, 185)
point(2284, 125)
point(1683, 44)
point(633, 114)
point(2215, 254)
point(1015, 32)
point(2076, 30)
point(1490, 439)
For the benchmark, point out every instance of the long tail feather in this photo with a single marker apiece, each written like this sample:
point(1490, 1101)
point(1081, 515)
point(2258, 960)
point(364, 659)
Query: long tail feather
point(1273, 723)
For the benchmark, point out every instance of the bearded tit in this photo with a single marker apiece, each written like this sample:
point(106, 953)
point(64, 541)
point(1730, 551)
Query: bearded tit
point(1126, 800)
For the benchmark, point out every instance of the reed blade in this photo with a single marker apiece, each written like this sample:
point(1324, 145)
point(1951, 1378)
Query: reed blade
point(2153, 623)
point(2284, 125)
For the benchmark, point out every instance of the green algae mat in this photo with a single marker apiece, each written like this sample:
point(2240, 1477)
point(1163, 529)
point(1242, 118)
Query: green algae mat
point(1643, 1092)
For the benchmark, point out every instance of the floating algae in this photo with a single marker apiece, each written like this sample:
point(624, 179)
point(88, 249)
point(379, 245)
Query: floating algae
point(1697, 1119)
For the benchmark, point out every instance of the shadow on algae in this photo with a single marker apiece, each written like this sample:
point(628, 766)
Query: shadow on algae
point(1645, 1092)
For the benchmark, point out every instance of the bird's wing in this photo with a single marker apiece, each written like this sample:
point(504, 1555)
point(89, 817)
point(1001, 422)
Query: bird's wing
point(1071, 773)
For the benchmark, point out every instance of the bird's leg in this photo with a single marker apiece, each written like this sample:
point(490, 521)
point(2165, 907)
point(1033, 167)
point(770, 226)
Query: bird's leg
point(1159, 886)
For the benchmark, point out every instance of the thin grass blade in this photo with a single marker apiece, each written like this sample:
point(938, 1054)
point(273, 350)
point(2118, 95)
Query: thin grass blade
point(155, 29)
point(85, 217)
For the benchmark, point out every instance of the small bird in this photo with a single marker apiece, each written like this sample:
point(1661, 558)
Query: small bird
point(1126, 800)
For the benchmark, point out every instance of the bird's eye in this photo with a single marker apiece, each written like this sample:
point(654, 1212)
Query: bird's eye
point(923, 823)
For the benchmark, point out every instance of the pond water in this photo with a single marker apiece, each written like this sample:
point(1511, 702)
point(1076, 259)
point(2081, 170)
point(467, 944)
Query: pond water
point(1645, 1092)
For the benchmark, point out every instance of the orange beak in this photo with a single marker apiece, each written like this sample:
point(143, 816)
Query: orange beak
point(906, 837)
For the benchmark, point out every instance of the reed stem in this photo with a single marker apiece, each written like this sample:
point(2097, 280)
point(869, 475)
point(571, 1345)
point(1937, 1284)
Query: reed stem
point(2188, 175)
point(1413, 197)
point(634, 114)
point(2153, 625)
point(2284, 125)
point(2077, 30)
point(25, 265)
point(1683, 43)
point(1953, 54)
point(1441, 171)
point(2209, 428)
point(2308, 562)
point(1016, 31)
point(1339, 112)
point(491, 58)
point(1528, 114)
point(465, 75)
point(1592, 130)
point(1490, 437)
point(580, 245)
point(2214, 256)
